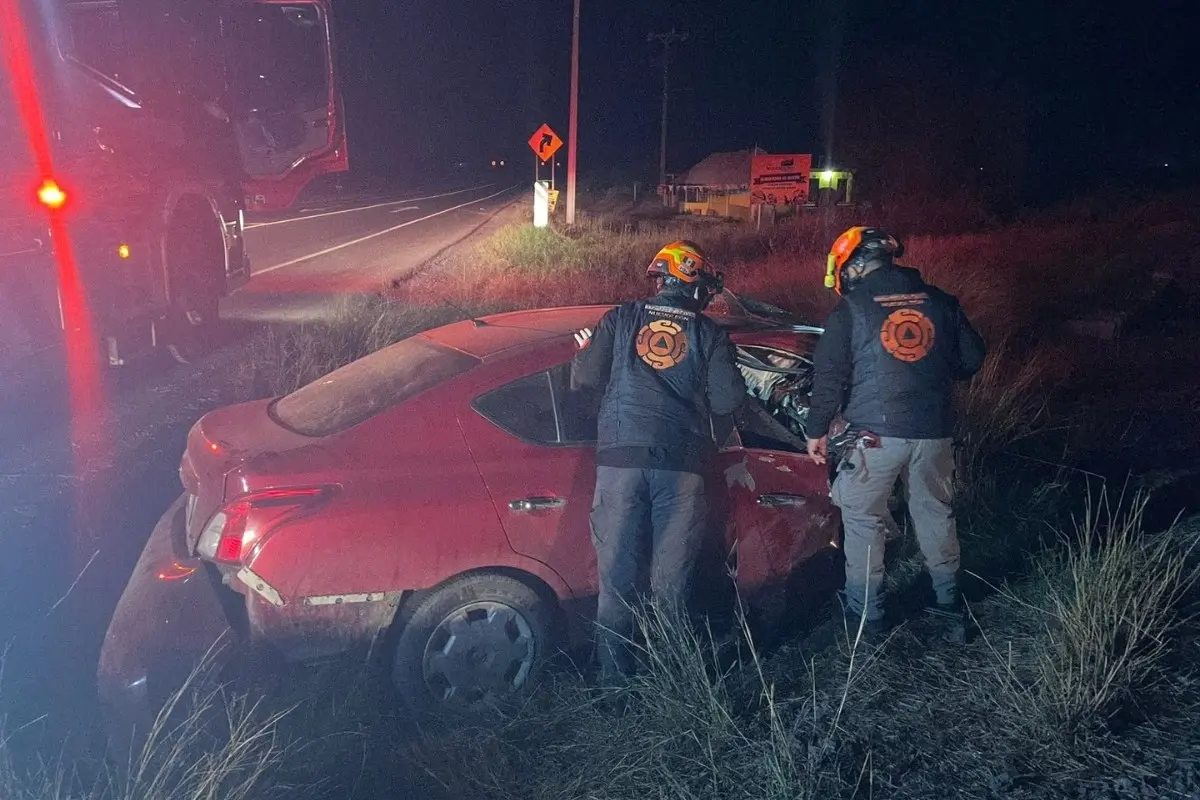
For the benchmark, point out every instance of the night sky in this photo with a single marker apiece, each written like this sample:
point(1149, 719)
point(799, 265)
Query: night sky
point(1045, 96)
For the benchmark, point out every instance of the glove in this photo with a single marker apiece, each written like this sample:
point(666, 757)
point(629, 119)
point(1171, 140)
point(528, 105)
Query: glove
point(583, 338)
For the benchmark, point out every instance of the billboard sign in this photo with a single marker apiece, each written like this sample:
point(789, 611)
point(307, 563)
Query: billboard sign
point(780, 180)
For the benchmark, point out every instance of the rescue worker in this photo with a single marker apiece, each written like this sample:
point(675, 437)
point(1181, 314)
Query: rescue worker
point(891, 351)
point(664, 367)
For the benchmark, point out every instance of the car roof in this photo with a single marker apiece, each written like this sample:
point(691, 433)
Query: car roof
point(488, 336)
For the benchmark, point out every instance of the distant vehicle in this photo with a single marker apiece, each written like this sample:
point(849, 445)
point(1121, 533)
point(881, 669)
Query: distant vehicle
point(435, 494)
point(135, 134)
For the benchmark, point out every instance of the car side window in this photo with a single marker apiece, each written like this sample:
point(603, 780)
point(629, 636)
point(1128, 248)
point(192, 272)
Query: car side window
point(578, 410)
point(524, 408)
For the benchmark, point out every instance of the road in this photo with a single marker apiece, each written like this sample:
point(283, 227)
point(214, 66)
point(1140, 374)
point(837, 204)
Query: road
point(77, 505)
point(302, 261)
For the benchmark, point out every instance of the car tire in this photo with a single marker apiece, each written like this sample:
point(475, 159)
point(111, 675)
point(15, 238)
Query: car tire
point(474, 640)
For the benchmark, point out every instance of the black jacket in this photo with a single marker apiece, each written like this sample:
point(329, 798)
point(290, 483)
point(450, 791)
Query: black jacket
point(664, 370)
point(891, 351)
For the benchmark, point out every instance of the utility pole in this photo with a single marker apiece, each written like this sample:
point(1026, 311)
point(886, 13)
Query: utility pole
point(667, 40)
point(573, 125)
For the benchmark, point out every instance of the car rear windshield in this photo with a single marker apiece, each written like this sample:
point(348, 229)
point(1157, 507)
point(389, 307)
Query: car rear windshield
point(361, 389)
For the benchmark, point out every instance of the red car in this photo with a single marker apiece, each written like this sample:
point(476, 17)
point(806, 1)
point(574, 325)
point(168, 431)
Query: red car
point(434, 496)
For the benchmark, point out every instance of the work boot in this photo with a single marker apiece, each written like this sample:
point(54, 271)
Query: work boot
point(614, 679)
point(615, 662)
point(615, 699)
point(874, 631)
point(954, 622)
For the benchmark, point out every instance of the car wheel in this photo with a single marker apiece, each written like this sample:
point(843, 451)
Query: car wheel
point(476, 639)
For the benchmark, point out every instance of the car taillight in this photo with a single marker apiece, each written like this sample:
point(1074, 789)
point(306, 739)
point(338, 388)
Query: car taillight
point(234, 529)
point(51, 195)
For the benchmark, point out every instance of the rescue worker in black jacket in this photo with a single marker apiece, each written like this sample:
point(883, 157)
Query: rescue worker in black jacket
point(665, 367)
point(891, 352)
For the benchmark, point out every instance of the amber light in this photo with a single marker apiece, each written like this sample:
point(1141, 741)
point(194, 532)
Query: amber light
point(123, 251)
point(51, 195)
point(176, 572)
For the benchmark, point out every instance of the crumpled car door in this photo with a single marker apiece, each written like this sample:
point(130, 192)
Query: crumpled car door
point(780, 512)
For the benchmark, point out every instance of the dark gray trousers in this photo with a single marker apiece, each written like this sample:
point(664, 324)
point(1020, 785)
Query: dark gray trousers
point(643, 520)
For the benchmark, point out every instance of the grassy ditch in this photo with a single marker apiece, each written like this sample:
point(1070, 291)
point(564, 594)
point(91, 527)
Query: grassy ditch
point(1081, 684)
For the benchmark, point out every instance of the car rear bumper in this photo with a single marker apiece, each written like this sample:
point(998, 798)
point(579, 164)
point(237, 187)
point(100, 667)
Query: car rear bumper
point(169, 617)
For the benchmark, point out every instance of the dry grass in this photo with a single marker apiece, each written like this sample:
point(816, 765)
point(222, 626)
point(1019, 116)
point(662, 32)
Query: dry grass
point(1076, 685)
point(603, 259)
point(1006, 404)
point(206, 743)
point(1106, 606)
point(1032, 710)
point(287, 357)
point(1014, 283)
point(699, 720)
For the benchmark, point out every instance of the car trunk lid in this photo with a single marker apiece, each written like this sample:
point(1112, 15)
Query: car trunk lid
point(217, 445)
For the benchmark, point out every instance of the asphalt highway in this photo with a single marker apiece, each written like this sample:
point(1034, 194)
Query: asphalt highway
point(303, 261)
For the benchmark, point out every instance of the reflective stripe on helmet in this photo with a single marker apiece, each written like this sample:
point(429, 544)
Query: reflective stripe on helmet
point(680, 259)
point(849, 243)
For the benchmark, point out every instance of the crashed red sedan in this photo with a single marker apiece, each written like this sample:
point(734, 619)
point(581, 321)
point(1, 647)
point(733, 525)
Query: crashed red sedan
point(434, 496)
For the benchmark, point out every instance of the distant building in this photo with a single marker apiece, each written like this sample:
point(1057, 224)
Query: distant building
point(719, 186)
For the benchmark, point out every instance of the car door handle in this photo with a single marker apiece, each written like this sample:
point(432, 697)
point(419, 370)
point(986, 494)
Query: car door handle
point(536, 503)
point(781, 500)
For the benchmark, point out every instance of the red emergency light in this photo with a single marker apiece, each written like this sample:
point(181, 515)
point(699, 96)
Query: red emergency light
point(51, 195)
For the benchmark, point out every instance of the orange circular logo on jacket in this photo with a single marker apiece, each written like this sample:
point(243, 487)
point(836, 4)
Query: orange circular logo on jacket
point(662, 344)
point(907, 335)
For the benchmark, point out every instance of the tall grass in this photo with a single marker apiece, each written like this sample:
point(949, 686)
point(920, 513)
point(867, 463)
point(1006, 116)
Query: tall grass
point(1061, 659)
point(1014, 283)
point(1105, 606)
point(206, 743)
point(1006, 404)
point(699, 720)
point(286, 357)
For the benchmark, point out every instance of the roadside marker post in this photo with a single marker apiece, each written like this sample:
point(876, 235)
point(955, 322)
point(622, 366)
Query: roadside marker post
point(541, 204)
point(544, 143)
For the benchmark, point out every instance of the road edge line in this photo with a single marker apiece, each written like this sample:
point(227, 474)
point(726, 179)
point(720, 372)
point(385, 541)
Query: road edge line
point(256, 225)
point(376, 234)
point(428, 263)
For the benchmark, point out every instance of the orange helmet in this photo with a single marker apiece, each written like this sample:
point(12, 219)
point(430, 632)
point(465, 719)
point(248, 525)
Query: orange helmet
point(682, 260)
point(859, 244)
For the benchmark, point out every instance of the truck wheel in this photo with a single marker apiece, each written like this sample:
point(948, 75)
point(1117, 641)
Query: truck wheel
point(195, 256)
point(191, 329)
point(476, 639)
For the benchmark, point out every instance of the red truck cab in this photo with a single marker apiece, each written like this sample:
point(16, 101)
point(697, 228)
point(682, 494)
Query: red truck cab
point(156, 123)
